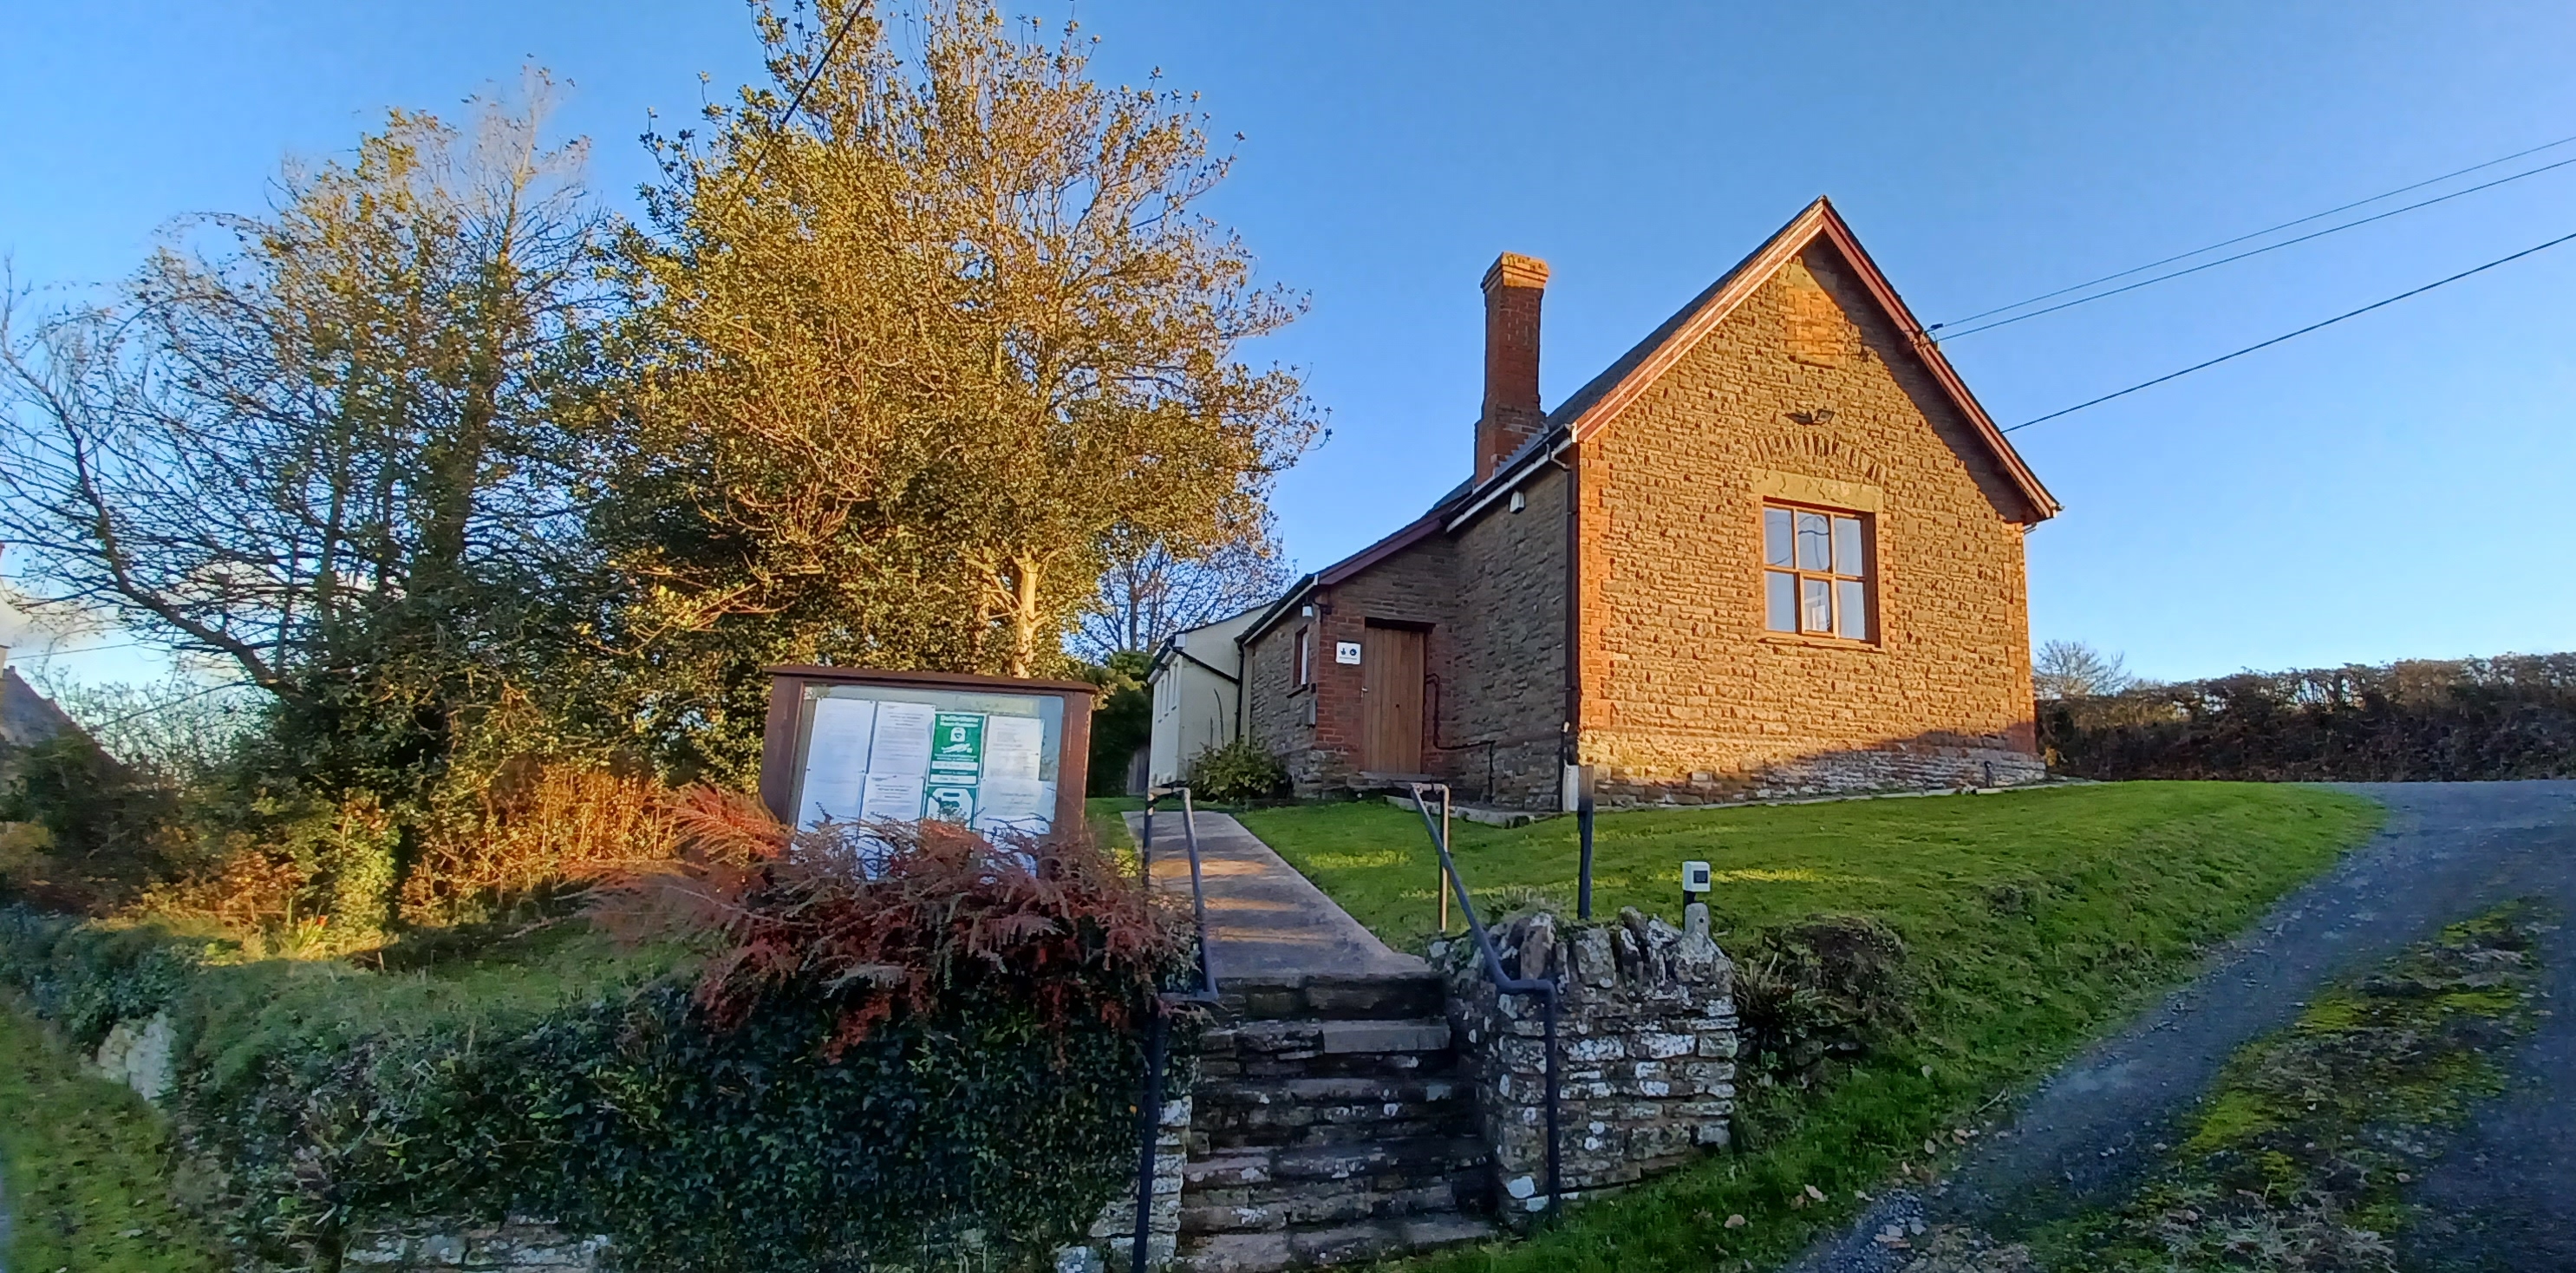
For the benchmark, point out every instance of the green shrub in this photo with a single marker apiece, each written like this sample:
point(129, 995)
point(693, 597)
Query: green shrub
point(107, 830)
point(1824, 986)
point(1237, 772)
point(851, 1071)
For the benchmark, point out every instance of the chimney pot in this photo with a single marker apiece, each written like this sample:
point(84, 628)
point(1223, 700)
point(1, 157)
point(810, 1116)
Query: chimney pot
point(1513, 288)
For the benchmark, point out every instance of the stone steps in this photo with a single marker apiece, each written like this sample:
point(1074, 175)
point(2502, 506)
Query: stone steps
point(1338, 1244)
point(1324, 1111)
point(1381, 997)
point(1329, 1126)
point(1268, 1051)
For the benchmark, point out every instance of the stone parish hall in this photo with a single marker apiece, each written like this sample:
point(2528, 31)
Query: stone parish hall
point(1774, 549)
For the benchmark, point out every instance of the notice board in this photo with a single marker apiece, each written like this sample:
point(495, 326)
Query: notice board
point(998, 754)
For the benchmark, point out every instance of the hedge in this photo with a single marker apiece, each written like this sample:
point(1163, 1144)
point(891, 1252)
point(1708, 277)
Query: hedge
point(2470, 719)
point(570, 1082)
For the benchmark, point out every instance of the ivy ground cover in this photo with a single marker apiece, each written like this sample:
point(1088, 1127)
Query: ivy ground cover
point(2033, 921)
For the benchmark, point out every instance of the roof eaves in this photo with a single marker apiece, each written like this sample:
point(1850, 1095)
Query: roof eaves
point(1297, 590)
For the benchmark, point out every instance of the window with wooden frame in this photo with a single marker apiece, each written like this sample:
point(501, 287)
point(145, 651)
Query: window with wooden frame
point(1305, 657)
point(1815, 572)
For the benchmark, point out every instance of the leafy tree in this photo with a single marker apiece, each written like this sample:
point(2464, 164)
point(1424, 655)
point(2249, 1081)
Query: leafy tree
point(2072, 669)
point(912, 360)
point(1122, 719)
point(317, 445)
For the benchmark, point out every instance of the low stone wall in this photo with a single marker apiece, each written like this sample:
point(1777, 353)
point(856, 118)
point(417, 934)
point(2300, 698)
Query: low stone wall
point(1112, 1242)
point(438, 1246)
point(1646, 1038)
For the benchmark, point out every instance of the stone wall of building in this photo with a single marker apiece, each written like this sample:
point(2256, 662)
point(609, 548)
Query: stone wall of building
point(1316, 729)
point(1809, 394)
point(1504, 691)
point(1646, 1044)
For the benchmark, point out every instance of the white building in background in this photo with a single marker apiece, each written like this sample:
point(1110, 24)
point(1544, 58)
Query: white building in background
point(1196, 679)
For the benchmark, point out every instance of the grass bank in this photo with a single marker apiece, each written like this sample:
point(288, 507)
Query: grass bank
point(2034, 921)
point(86, 1169)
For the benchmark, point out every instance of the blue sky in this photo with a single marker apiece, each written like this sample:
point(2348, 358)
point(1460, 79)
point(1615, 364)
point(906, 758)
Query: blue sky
point(2394, 487)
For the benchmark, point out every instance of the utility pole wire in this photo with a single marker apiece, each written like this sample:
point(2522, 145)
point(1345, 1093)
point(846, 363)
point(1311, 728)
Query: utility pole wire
point(2095, 402)
point(2313, 216)
point(2268, 247)
point(832, 46)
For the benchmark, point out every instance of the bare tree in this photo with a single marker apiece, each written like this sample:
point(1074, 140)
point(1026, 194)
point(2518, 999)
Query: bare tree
point(1150, 592)
point(2072, 669)
point(316, 445)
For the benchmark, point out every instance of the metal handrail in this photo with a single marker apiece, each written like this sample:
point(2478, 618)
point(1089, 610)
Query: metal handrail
point(1545, 988)
point(1149, 1113)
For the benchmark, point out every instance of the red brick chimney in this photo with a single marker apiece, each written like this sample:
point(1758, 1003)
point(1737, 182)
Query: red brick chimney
point(1512, 416)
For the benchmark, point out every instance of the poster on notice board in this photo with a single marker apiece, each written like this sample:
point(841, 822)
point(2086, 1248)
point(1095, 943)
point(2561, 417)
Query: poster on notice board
point(908, 754)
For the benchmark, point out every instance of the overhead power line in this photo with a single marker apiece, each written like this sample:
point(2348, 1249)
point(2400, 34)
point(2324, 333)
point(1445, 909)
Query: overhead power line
point(2202, 366)
point(165, 705)
point(798, 99)
point(2272, 229)
point(2269, 247)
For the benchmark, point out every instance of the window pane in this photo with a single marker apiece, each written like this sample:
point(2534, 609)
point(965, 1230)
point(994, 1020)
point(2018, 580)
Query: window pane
point(1847, 546)
point(1816, 608)
point(1815, 542)
point(1851, 610)
point(1775, 537)
point(1780, 609)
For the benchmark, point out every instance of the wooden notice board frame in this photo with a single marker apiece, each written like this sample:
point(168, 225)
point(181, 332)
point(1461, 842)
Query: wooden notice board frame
point(787, 686)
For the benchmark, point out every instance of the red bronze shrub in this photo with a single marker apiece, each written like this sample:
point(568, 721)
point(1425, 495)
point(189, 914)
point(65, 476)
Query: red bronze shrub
point(892, 917)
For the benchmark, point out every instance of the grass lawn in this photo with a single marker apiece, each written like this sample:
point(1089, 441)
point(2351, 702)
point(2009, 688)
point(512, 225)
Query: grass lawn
point(87, 1177)
point(2036, 920)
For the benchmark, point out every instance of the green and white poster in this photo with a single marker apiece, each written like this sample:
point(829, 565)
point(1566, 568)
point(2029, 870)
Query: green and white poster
point(899, 760)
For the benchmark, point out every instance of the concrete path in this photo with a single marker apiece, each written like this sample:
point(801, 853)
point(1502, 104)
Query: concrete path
point(2449, 851)
point(1265, 921)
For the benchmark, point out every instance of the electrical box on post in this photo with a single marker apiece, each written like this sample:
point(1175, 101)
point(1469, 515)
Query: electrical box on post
point(1695, 878)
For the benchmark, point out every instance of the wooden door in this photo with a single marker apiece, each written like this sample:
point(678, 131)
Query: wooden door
point(1391, 693)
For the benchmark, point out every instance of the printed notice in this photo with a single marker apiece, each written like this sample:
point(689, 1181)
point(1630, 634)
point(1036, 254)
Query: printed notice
point(957, 747)
point(1013, 804)
point(1012, 748)
point(892, 797)
point(836, 761)
point(902, 741)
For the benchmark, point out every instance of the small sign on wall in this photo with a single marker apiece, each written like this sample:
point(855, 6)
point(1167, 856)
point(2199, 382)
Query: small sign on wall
point(1346, 652)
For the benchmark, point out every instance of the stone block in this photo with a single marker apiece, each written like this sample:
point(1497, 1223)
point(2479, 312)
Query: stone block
point(1661, 1045)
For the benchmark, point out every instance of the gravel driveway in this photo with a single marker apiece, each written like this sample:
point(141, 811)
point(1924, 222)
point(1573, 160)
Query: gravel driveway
point(2507, 1187)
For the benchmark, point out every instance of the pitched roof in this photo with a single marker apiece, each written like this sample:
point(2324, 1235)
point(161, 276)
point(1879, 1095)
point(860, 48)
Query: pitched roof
point(27, 717)
point(1590, 407)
